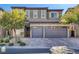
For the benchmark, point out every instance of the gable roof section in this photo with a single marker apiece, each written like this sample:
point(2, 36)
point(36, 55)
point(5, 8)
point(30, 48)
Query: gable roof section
point(68, 10)
point(30, 7)
point(58, 10)
point(39, 8)
point(19, 8)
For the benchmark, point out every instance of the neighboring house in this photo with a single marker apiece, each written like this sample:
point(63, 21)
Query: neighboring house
point(1, 30)
point(45, 23)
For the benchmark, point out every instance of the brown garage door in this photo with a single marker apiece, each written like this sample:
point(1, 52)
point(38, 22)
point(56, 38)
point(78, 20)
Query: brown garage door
point(37, 32)
point(55, 32)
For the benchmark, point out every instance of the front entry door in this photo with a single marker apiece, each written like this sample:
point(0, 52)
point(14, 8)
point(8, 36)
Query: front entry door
point(72, 33)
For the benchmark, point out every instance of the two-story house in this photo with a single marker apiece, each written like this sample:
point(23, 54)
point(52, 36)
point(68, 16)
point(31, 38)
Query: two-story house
point(42, 22)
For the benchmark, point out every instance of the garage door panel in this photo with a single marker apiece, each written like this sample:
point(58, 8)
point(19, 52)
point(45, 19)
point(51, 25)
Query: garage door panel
point(37, 32)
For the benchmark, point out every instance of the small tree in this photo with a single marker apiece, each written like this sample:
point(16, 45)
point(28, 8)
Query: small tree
point(72, 16)
point(13, 20)
point(5, 22)
point(18, 20)
point(69, 17)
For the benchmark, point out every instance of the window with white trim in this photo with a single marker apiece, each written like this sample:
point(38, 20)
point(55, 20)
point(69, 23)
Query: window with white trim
point(43, 13)
point(54, 15)
point(28, 13)
point(35, 13)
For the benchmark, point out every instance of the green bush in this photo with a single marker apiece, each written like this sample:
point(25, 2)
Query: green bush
point(22, 44)
point(18, 41)
point(11, 44)
point(2, 44)
point(1, 41)
point(8, 37)
point(7, 41)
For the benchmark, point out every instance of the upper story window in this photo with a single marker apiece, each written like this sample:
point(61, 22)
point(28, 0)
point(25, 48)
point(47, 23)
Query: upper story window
point(35, 13)
point(43, 13)
point(54, 15)
point(28, 13)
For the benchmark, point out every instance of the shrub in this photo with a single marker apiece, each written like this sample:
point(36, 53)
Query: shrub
point(6, 41)
point(22, 44)
point(6, 38)
point(1, 41)
point(11, 44)
point(18, 41)
point(2, 44)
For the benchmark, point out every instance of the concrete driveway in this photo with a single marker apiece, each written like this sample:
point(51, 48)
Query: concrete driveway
point(42, 45)
point(49, 42)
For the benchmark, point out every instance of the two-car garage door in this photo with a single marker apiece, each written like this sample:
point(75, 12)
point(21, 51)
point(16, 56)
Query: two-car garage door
point(50, 32)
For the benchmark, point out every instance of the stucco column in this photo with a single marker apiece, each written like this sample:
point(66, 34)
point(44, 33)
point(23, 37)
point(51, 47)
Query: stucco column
point(68, 33)
point(43, 31)
point(30, 31)
point(75, 33)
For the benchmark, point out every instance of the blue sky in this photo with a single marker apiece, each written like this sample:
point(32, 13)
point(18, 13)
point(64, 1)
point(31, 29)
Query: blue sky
point(7, 7)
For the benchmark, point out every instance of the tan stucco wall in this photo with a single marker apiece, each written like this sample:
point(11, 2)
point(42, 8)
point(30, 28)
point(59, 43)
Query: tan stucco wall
point(47, 24)
point(77, 31)
point(19, 33)
point(74, 27)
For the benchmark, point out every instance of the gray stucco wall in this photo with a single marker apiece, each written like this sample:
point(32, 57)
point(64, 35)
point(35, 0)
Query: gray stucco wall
point(77, 31)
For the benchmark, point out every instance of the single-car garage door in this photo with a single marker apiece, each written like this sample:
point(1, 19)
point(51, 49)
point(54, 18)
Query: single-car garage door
point(37, 32)
point(55, 32)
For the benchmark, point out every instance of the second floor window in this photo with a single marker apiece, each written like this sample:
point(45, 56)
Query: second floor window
point(28, 13)
point(43, 13)
point(54, 15)
point(35, 13)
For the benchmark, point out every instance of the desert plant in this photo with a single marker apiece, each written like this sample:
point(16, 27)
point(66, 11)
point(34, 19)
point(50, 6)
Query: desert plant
point(1, 40)
point(22, 44)
point(2, 44)
point(6, 41)
point(19, 41)
point(11, 44)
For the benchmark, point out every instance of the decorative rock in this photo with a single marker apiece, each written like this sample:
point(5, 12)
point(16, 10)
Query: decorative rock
point(3, 49)
point(61, 50)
